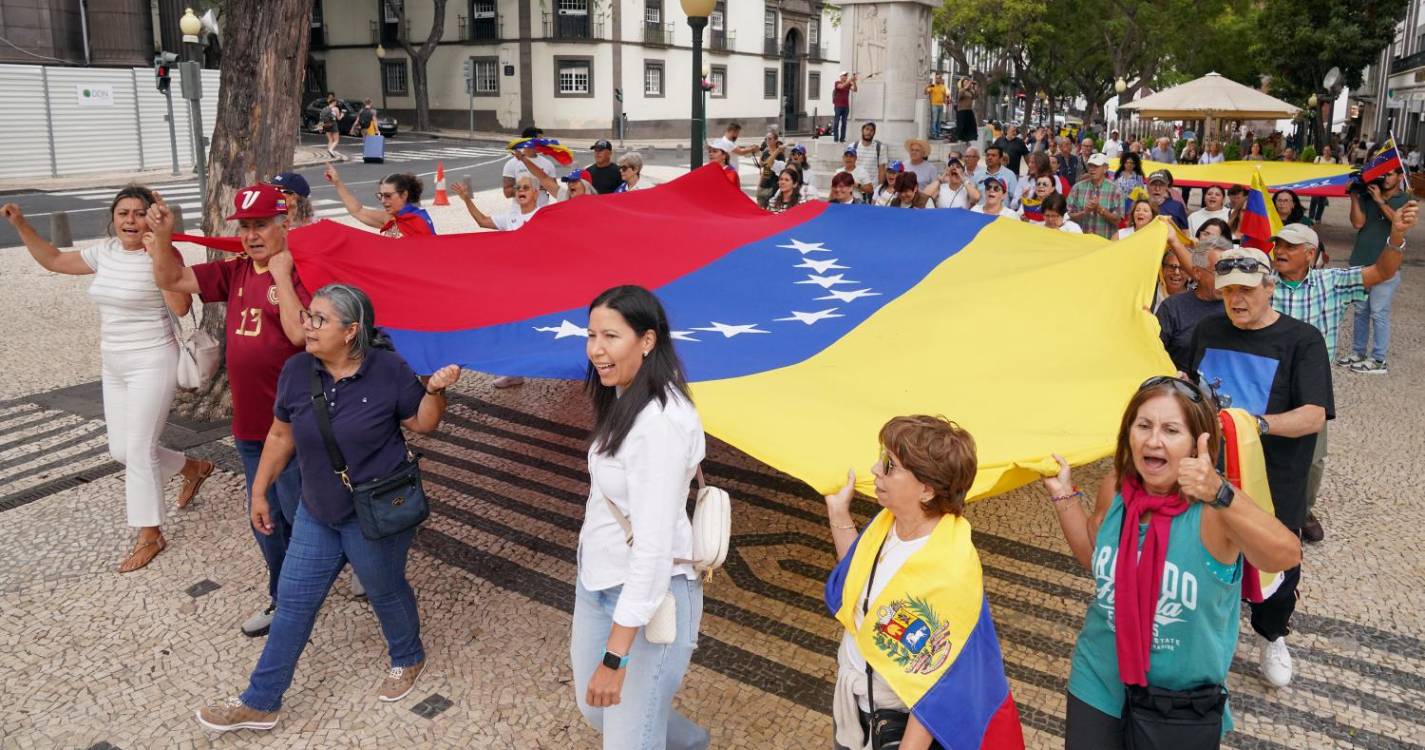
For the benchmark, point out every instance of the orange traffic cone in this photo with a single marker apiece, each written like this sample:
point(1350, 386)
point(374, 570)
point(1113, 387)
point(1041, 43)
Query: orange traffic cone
point(441, 199)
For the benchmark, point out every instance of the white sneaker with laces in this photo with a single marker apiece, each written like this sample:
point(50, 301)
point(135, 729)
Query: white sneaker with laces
point(508, 381)
point(1276, 663)
point(259, 623)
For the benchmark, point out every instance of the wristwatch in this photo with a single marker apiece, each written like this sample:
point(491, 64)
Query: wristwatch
point(1225, 495)
point(1262, 425)
point(615, 662)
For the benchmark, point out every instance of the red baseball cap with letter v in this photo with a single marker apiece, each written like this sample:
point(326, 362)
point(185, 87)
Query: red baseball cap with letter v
point(258, 202)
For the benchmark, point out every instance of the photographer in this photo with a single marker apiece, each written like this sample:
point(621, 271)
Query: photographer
point(772, 160)
point(1373, 211)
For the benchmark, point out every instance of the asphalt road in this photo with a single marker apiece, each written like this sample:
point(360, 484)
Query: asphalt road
point(480, 161)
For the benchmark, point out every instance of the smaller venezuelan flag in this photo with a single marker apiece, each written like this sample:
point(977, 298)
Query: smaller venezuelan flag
point(1245, 467)
point(1260, 221)
point(1385, 161)
point(930, 636)
point(547, 146)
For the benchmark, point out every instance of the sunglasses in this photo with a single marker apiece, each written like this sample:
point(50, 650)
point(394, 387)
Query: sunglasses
point(1246, 265)
point(887, 465)
point(285, 191)
point(383, 195)
point(1187, 388)
point(624, 168)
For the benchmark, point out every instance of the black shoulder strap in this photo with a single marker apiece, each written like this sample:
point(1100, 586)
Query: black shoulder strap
point(324, 423)
point(866, 612)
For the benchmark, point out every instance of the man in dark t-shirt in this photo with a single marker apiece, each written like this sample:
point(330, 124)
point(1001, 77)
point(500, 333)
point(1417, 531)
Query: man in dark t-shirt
point(1276, 368)
point(603, 173)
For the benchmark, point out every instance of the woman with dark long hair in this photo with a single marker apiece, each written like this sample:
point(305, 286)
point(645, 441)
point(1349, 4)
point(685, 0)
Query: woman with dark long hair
point(400, 214)
point(645, 449)
point(789, 190)
point(1289, 208)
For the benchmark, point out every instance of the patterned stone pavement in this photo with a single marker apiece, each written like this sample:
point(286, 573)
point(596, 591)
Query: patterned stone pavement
point(94, 659)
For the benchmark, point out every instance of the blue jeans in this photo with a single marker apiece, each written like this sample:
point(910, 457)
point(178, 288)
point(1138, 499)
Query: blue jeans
point(283, 497)
point(644, 718)
point(317, 553)
point(838, 123)
point(1374, 312)
point(936, 113)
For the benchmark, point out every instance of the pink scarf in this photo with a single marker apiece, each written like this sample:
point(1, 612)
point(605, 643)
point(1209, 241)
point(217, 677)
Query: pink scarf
point(1138, 576)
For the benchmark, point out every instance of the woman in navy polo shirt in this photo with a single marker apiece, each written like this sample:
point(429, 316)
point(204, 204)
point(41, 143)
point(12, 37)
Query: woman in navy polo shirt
point(372, 394)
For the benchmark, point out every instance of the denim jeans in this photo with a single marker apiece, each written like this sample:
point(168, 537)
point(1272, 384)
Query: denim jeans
point(283, 497)
point(936, 113)
point(838, 124)
point(316, 555)
point(644, 718)
point(1374, 312)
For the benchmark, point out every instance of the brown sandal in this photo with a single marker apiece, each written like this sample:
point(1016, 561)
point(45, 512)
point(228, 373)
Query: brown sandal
point(143, 554)
point(191, 484)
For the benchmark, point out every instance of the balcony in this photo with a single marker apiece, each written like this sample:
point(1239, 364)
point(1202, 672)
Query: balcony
point(771, 47)
point(721, 40)
point(817, 51)
point(485, 27)
point(387, 34)
point(572, 27)
point(658, 34)
point(1409, 62)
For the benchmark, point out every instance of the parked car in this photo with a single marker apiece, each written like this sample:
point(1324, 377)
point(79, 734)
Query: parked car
point(311, 116)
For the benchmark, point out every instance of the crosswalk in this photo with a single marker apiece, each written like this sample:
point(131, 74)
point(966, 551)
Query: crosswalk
point(186, 195)
point(448, 152)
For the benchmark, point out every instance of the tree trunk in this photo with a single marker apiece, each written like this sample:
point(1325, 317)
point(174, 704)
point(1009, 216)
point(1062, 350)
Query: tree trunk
point(264, 53)
point(420, 55)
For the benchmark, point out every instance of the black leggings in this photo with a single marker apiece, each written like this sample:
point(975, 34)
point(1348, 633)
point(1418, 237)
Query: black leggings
point(1272, 617)
point(1087, 728)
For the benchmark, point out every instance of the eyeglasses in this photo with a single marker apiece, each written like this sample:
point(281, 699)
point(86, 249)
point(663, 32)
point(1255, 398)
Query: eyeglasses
point(887, 465)
point(383, 195)
point(1172, 267)
point(1247, 265)
point(1189, 389)
point(314, 320)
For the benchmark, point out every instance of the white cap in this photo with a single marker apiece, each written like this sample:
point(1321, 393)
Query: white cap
point(723, 144)
point(1098, 160)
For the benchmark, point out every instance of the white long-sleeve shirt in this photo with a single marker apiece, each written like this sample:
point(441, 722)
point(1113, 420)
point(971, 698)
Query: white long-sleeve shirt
point(648, 480)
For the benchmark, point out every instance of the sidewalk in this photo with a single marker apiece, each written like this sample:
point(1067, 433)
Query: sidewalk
point(575, 144)
point(301, 157)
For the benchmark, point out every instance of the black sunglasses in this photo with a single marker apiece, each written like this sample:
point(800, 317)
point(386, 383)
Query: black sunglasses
point(1194, 393)
point(1248, 265)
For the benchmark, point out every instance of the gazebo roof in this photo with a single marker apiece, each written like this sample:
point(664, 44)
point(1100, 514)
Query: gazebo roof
point(1212, 96)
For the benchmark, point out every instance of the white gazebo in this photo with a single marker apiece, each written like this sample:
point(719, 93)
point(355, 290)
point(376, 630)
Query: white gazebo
point(1212, 97)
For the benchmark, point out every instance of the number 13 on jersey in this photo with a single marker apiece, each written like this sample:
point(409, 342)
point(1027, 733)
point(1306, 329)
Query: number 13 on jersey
point(249, 322)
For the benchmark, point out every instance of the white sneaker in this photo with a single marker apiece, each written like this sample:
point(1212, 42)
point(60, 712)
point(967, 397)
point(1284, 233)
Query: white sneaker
point(508, 381)
point(259, 623)
point(1276, 663)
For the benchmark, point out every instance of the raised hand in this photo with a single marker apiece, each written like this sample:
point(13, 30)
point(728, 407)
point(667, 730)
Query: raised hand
point(159, 217)
point(12, 213)
point(444, 377)
point(331, 174)
point(1197, 477)
point(1060, 484)
point(838, 505)
point(458, 187)
point(1406, 217)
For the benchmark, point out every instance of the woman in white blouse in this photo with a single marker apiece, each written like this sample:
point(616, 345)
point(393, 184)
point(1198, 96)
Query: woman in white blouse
point(646, 447)
point(139, 360)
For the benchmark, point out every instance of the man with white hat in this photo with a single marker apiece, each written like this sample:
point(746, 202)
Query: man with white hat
point(1096, 202)
point(1275, 367)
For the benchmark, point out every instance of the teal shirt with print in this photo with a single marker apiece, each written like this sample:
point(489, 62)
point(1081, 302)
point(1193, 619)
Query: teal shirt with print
point(1194, 629)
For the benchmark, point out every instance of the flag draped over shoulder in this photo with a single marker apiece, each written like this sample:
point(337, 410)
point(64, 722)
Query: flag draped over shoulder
point(1322, 180)
point(929, 634)
point(801, 332)
point(1246, 468)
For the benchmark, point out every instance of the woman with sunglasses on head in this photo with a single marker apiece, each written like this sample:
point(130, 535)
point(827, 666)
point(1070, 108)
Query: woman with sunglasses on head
point(138, 355)
point(645, 450)
point(1167, 534)
point(371, 394)
point(400, 214)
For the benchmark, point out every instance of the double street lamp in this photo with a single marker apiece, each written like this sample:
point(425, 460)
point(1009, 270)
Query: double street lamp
point(698, 12)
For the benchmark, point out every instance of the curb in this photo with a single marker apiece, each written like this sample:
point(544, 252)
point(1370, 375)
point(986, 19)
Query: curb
point(302, 156)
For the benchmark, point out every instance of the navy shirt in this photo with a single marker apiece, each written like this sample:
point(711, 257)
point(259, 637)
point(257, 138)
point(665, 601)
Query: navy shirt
point(366, 409)
point(1174, 208)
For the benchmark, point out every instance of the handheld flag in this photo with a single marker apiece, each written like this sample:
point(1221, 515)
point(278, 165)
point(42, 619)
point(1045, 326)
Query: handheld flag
point(547, 146)
point(1246, 468)
point(930, 635)
point(1260, 221)
point(1385, 160)
point(801, 332)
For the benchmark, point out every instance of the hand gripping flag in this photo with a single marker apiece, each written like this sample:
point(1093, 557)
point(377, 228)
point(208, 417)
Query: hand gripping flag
point(1260, 221)
point(547, 146)
point(801, 332)
point(1244, 465)
point(929, 634)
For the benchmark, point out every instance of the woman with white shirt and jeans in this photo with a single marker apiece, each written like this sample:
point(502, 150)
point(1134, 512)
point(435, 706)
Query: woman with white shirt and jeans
point(645, 449)
point(139, 356)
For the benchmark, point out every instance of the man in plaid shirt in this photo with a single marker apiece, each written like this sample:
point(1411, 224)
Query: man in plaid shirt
point(1320, 296)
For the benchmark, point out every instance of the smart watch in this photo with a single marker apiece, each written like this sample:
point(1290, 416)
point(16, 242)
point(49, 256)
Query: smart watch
point(614, 661)
point(1225, 495)
point(1262, 426)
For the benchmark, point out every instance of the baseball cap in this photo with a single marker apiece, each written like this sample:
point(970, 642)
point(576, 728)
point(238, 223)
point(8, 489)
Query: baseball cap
point(601, 145)
point(1298, 234)
point(258, 201)
point(1098, 160)
point(799, 149)
point(850, 151)
point(1242, 266)
point(842, 73)
point(1161, 175)
point(895, 166)
point(574, 175)
point(293, 182)
point(723, 144)
point(995, 181)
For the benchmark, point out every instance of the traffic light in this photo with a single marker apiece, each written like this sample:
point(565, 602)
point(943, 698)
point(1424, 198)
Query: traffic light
point(162, 67)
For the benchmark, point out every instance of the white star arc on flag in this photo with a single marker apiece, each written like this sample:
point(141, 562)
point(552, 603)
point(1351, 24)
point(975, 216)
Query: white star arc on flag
point(565, 329)
point(682, 335)
point(732, 330)
point(827, 282)
point(848, 296)
point(806, 247)
point(820, 266)
point(812, 317)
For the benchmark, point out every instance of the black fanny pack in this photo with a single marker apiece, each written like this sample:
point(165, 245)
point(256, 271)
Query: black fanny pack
point(1155, 718)
point(384, 506)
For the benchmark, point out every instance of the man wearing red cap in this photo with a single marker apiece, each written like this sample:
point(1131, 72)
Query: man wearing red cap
point(264, 328)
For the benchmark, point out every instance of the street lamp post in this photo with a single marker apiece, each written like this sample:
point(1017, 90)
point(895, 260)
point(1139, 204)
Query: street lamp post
point(192, 86)
point(1119, 86)
point(381, 73)
point(697, 12)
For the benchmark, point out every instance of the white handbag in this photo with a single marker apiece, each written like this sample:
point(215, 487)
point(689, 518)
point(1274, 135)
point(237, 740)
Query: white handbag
point(198, 353)
point(712, 534)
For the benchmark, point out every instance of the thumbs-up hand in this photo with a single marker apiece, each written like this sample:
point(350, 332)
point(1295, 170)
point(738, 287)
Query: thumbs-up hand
point(1197, 476)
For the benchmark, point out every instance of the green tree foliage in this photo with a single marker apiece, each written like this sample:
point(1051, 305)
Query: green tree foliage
point(1319, 35)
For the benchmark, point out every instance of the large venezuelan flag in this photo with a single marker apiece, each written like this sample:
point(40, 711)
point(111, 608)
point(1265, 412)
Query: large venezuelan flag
point(1323, 180)
point(802, 332)
point(930, 635)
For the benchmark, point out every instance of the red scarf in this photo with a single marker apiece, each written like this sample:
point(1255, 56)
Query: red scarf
point(1138, 576)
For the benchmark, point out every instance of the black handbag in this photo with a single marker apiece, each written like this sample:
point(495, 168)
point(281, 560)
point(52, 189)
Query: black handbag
point(887, 725)
point(387, 505)
point(1157, 718)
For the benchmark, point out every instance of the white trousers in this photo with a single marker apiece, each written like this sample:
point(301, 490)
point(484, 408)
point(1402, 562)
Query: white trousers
point(138, 389)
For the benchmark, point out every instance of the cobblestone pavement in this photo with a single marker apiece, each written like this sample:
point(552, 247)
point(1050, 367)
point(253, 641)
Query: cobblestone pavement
point(95, 659)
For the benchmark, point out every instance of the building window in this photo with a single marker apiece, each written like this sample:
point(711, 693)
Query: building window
point(769, 25)
point(484, 21)
point(653, 78)
point(813, 86)
point(814, 32)
point(487, 76)
point(574, 76)
point(718, 78)
point(573, 7)
point(769, 83)
point(393, 77)
point(716, 21)
point(653, 12)
point(389, 8)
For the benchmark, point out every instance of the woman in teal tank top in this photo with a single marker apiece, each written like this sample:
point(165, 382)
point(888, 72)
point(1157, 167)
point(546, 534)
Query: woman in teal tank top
point(1189, 531)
